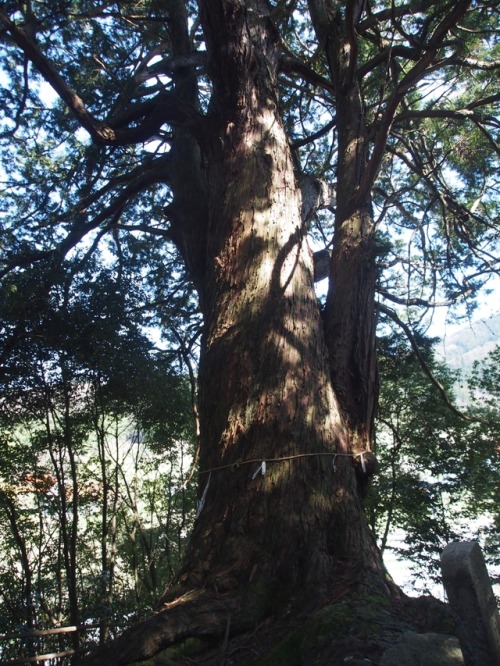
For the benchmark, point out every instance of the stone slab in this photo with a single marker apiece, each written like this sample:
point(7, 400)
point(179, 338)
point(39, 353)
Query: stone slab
point(472, 602)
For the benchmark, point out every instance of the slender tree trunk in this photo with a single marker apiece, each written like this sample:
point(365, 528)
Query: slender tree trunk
point(60, 442)
point(100, 434)
point(73, 518)
point(28, 617)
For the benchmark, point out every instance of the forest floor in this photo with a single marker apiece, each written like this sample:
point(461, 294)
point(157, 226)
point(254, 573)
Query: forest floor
point(354, 631)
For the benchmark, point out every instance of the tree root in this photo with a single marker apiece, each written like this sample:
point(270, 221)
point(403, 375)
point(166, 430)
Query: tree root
point(195, 615)
point(357, 624)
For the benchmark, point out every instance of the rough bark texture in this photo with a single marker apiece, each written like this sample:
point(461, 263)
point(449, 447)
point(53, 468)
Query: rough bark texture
point(287, 397)
point(266, 394)
point(294, 536)
point(350, 313)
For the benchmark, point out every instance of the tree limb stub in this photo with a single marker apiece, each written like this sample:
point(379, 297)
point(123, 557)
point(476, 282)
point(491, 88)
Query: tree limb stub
point(316, 194)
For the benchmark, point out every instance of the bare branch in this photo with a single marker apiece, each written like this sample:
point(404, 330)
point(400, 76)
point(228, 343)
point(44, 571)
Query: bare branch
point(290, 63)
point(473, 63)
point(422, 302)
point(386, 54)
point(484, 101)
point(315, 136)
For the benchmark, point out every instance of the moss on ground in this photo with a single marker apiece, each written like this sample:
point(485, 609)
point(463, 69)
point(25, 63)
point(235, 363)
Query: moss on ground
point(361, 627)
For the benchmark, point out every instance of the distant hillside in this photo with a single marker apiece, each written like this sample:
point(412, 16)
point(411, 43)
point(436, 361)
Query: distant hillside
point(471, 343)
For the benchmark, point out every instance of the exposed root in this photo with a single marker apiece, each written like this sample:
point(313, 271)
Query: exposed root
point(195, 615)
point(256, 621)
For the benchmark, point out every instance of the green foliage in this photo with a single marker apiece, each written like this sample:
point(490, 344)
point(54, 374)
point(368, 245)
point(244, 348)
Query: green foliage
point(437, 481)
point(436, 194)
point(483, 471)
point(96, 441)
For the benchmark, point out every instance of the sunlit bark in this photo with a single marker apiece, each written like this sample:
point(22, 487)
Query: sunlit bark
point(265, 389)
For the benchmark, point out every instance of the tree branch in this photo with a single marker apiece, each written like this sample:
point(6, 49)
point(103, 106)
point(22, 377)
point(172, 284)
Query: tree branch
point(384, 55)
point(427, 371)
point(422, 302)
point(453, 114)
point(315, 136)
point(290, 63)
point(473, 63)
point(136, 182)
point(165, 108)
point(44, 66)
point(422, 67)
point(353, 14)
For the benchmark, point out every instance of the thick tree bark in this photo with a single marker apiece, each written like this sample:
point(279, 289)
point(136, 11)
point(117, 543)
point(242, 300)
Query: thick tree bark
point(265, 389)
point(350, 310)
point(280, 518)
point(287, 397)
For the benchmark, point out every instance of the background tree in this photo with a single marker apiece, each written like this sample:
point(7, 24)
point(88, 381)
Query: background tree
point(437, 479)
point(96, 431)
point(224, 128)
point(481, 471)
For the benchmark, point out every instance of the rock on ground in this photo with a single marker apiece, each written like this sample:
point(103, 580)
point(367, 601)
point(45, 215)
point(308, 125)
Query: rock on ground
point(424, 650)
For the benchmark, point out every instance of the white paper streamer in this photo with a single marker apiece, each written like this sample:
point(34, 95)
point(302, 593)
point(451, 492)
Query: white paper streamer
point(201, 502)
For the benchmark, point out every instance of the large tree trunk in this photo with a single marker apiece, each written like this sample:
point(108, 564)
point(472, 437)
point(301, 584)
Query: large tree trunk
point(350, 310)
point(265, 389)
point(295, 533)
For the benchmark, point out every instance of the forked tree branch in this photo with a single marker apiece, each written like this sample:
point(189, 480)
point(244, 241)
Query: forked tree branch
point(165, 108)
point(426, 63)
